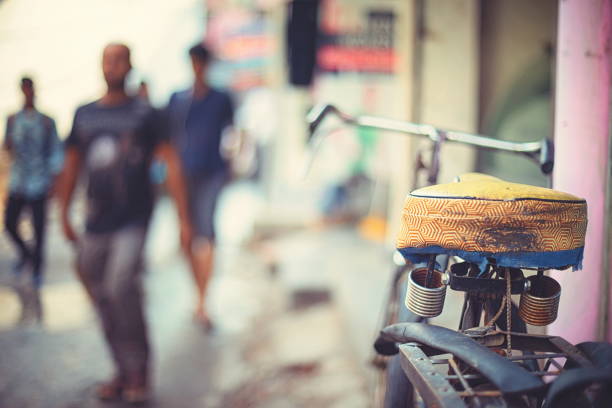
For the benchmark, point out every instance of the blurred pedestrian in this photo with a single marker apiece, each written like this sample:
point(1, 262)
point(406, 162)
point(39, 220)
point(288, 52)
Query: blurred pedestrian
point(199, 116)
point(37, 154)
point(113, 141)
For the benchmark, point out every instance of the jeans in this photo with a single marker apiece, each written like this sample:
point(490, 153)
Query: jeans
point(110, 265)
point(38, 209)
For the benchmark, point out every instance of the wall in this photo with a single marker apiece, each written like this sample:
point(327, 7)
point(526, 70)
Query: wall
point(582, 133)
point(517, 43)
point(449, 77)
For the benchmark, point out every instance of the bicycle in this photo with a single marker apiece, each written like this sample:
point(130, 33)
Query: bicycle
point(482, 369)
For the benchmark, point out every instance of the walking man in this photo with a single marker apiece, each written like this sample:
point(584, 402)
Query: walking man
point(199, 116)
point(113, 142)
point(32, 142)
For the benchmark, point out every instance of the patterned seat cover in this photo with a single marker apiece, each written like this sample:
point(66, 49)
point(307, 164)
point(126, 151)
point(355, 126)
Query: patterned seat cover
point(483, 220)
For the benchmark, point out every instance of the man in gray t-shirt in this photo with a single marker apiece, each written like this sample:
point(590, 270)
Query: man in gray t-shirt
point(117, 143)
point(113, 142)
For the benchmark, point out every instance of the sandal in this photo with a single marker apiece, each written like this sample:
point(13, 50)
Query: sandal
point(136, 395)
point(110, 391)
point(203, 319)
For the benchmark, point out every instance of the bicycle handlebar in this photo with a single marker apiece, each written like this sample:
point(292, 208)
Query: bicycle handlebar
point(541, 151)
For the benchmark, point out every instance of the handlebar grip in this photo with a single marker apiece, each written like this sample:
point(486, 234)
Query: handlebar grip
point(316, 116)
point(547, 156)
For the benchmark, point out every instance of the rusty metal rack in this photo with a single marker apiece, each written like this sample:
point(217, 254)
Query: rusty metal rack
point(443, 380)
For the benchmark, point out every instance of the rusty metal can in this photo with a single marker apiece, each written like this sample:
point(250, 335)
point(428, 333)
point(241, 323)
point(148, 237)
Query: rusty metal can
point(540, 304)
point(425, 301)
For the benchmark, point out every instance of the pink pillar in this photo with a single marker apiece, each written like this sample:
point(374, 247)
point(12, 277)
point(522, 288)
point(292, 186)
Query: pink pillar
point(581, 155)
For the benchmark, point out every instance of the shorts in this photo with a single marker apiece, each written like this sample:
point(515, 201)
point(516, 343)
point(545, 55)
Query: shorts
point(204, 192)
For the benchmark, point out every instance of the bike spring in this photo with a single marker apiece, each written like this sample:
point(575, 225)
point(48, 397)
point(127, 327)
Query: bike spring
point(425, 301)
point(539, 305)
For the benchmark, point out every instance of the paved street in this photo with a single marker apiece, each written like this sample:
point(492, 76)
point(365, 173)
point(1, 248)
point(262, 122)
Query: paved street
point(57, 364)
point(280, 340)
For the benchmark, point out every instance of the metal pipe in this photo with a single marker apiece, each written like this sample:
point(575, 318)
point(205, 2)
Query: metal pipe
point(318, 113)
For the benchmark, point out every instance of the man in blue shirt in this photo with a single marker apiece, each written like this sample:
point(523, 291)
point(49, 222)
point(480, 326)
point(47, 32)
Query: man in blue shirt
point(198, 118)
point(32, 142)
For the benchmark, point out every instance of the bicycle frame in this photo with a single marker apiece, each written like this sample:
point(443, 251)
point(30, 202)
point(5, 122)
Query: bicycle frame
point(540, 152)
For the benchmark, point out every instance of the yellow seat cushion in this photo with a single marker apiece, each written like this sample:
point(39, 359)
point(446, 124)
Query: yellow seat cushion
point(485, 187)
point(487, 215)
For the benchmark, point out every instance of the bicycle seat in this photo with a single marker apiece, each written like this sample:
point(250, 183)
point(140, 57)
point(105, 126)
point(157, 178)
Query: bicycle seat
point(483, 219)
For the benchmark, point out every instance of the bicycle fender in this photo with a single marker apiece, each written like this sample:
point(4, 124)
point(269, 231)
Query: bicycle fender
point(507, 376)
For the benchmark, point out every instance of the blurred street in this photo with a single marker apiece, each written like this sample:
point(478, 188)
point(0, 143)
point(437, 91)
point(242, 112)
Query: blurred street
point(279, 340)
point(313, 109)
